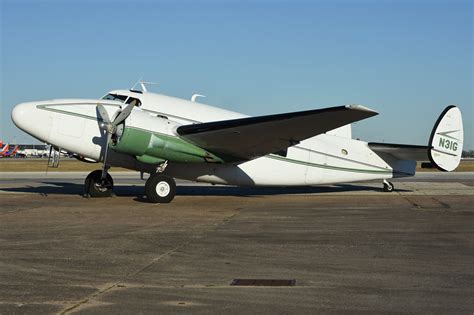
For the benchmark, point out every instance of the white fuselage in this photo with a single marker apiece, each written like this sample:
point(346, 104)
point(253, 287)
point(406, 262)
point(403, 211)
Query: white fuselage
point(333, 157)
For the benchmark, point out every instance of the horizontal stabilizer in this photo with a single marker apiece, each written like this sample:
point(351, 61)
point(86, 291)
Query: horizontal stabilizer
point(444, 148)
point(401, 151)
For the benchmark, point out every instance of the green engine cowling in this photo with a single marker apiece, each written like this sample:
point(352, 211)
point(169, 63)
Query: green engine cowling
point(155, 148)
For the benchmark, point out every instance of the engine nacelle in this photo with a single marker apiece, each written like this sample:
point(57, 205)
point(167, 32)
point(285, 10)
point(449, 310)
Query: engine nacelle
point(152, 139)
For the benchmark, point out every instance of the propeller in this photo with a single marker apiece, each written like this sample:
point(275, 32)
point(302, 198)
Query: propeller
point(110, 128)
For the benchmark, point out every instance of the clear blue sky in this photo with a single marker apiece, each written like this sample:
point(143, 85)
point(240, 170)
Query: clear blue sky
point(405, 59)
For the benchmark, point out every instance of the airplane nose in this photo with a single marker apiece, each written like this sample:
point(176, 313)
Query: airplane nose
point(21, 114)
point(31, 120)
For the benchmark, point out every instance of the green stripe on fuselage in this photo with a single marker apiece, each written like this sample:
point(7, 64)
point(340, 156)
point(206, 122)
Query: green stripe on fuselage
point(337, 168)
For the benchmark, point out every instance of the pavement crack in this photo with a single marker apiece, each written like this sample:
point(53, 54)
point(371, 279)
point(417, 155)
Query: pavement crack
point(119, 283)
point(443, 204)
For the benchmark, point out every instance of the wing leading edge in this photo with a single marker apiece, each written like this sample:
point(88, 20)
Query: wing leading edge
point(248, 138)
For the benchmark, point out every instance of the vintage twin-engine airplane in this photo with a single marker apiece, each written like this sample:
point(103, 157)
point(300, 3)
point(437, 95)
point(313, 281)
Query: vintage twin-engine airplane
point(171, 138)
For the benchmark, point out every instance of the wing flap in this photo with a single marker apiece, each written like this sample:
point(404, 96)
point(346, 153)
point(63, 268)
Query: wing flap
point(248, 138)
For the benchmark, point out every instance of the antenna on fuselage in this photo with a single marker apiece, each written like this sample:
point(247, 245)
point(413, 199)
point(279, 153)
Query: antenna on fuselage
point(195, 96)
point(143, 85)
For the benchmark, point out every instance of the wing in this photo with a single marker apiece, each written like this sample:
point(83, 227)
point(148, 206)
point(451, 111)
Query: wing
point(248, 138)
point(401, 151)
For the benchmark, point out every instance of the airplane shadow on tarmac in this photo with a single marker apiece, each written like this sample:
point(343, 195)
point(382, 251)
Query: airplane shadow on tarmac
point(64, 188)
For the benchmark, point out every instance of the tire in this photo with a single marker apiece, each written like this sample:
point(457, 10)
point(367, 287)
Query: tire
point(160, 188)
point(93, 185)
point(388, 187)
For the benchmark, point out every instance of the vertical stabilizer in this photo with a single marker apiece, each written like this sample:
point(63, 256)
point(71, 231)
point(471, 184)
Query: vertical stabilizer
point(5, 149)
point(446, 139)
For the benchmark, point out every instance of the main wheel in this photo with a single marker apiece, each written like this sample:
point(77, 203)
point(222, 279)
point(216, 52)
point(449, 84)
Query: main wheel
point(95, 188)
point(160, 188)
point(388, 187)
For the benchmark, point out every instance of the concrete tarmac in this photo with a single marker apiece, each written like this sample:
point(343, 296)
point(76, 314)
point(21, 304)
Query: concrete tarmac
point(349, 248)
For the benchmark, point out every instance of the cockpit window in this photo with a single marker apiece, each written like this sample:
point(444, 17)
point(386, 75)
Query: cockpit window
point(135, 101)
point(115, 97)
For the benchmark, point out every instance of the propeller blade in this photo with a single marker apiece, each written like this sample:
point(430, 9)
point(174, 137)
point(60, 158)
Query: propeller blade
point(102, 113)
point(106, 151)
point(110, 128)
point(123, 114)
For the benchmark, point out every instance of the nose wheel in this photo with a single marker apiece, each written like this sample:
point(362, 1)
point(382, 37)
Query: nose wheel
point(160, 188)
point(387, 186)
point(96, 187)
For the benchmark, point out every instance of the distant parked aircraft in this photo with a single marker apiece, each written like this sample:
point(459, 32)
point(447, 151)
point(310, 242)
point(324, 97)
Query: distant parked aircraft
point(13, 152)
point(9, 153)
point(4, 150)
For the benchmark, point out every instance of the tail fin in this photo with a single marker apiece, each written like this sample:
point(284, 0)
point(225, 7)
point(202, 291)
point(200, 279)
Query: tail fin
point(15, 150)
point(446, 140)
point(5, 149)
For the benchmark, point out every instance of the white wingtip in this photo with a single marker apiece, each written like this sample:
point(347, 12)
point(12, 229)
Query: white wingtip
point(361, 108)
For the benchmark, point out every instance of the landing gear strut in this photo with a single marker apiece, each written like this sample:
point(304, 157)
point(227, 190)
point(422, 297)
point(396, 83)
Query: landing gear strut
point(387, 186)
point(160, 188)
point(96, 187)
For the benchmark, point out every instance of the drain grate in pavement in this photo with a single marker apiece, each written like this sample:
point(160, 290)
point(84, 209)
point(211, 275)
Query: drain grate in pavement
point(264, 282)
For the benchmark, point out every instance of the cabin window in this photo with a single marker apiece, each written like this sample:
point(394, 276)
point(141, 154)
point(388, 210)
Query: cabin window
point(115, 97)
